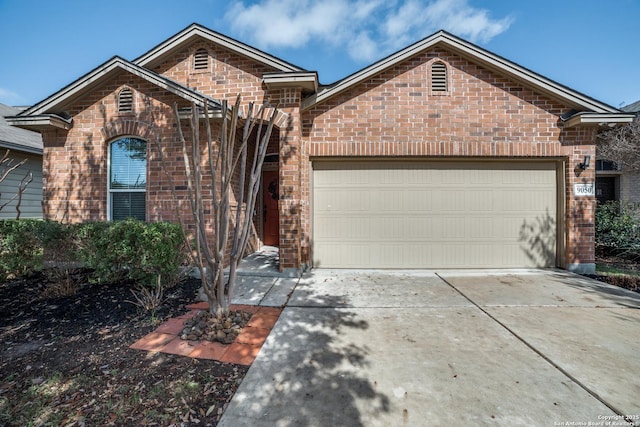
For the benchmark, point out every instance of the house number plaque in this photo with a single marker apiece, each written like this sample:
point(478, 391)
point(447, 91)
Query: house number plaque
point(584, 190)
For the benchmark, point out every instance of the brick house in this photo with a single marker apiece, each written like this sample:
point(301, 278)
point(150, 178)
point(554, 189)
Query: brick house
point(440, 155)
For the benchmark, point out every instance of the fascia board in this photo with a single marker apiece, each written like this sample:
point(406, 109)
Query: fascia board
point(370, 71)
point(305, 80)
point(39, 122)
point(71, 90)
point(22, 148)
point(583, 119)
point(475, 54)
point(65, 95)
point(183, 37)
point(526, 76)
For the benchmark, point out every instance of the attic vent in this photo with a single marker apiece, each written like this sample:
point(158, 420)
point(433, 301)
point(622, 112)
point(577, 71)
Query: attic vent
point(201, 59)
point(438, 77)
point(125, 101)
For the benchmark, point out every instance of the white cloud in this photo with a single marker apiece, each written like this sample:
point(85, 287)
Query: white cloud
point(466, 21)
point(369, 29)
point(289, 23)
point(362, 47)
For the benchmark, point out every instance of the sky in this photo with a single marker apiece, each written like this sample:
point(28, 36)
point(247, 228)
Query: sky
point(591, 46)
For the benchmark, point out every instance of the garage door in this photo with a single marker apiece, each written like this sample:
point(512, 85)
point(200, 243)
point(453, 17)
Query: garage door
point(434, 215)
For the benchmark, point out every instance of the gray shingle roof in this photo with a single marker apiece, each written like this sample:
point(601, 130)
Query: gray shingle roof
point(15, 138)
point(632, 108)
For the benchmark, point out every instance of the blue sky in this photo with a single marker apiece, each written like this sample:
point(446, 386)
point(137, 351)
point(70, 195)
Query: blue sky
point(591, 46)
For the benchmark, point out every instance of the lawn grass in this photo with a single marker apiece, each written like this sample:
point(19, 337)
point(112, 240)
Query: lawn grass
point(604, 269)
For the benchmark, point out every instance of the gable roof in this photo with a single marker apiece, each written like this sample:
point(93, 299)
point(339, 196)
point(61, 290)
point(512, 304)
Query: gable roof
point(156, 55)
point(50, 111)
point(15, 138)
point(60, 99)
point(475, 54)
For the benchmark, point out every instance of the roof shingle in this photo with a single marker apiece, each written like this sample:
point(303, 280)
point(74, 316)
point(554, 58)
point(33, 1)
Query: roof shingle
point(15, 138)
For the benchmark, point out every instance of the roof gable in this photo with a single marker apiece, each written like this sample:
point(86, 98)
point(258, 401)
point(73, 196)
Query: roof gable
point(57, 102)
point(474, 54)
point(156, 55)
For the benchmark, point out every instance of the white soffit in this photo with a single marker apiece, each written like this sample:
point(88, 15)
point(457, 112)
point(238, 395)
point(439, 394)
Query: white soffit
point(305, 80)
point(600, 119)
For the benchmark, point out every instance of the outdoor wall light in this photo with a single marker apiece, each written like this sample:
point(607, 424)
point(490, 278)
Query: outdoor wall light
point(585, 163)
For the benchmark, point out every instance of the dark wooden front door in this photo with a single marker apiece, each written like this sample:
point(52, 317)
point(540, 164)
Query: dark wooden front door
point(270, 213)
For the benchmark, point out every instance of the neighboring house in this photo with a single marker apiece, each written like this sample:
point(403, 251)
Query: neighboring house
point(440, 155)
point(612, 181)
point(23, 144)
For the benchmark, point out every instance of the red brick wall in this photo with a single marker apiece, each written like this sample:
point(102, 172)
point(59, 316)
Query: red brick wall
point(395, 114)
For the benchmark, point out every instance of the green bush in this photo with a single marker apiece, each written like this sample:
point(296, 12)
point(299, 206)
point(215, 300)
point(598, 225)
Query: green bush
point(618, 227)
point(127, 250)
point(20, 247)
point(132, 250)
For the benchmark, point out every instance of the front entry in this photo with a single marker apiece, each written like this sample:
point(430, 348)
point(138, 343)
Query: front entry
point(270, 212)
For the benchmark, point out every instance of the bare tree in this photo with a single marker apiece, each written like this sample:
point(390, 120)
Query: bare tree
point(621, 145)
point(6, 167)
point(228, 157)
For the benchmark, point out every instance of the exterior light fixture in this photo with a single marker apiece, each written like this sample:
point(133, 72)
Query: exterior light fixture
point(585, 163)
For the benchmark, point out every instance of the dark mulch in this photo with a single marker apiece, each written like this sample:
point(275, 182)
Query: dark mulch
point(66, 361)
point(624, 281)
point(625, 270)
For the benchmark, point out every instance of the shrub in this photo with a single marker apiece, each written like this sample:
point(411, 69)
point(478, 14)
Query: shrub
point(132, 250)
point(127, 250)
point(20, 247)
point(618, 227)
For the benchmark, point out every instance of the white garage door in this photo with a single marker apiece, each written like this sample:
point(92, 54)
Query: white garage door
point(434, 214)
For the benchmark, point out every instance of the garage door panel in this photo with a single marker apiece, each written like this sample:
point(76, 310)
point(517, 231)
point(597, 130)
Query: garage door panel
point(433, 214)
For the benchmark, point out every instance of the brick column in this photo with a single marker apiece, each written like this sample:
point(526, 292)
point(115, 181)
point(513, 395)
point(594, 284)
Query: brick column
point(580, 231)
point(290, 186)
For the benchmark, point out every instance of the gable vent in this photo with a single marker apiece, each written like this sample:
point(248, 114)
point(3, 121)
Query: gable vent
point(201, 59)
point(438, 77)
point(125, 101)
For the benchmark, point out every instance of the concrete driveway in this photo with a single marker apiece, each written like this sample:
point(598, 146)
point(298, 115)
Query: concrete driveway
point(383, 348)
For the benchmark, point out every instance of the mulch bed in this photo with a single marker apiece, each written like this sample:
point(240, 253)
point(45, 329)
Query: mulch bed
point(66, 360)
point(629, 264)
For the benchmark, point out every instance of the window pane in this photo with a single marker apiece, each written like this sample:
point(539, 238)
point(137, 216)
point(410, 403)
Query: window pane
point(128, 205)
point(128, 164)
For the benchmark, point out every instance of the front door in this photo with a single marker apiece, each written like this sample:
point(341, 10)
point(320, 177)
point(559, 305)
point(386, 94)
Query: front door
point(270, 213)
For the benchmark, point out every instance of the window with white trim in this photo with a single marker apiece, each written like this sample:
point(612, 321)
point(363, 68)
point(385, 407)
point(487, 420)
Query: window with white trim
point(125, 101)
point(127, 179)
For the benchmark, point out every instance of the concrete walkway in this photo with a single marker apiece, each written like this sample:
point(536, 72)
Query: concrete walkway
point(380, 348)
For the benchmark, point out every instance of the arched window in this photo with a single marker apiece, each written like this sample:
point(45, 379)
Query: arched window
point(439, 77)
point(127, 178)
point(125, 101)
point(201, 59)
